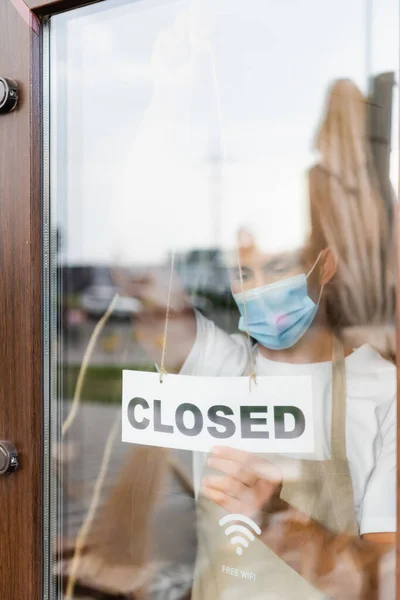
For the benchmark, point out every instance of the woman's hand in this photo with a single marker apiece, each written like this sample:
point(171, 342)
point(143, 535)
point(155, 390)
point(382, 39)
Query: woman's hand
point(158, 297)
point(154, 289)
point(247, 483)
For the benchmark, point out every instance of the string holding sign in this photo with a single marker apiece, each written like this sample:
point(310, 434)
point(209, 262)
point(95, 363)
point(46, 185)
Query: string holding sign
point(162, 369)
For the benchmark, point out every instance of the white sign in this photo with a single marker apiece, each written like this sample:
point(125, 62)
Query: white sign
point(197, 413)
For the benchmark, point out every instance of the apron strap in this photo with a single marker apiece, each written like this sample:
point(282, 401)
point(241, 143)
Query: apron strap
point(338, 423)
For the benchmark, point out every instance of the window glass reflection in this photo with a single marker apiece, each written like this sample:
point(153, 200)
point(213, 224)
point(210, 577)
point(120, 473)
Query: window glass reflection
point(231, 168)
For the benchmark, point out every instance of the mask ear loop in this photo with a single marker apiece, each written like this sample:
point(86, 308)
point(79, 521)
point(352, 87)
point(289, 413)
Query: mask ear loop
point(314, 265)
point(253, 375)
point(162, 369)
point(309, 273)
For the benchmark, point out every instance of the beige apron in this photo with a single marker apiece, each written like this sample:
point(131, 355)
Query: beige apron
point(320, 489)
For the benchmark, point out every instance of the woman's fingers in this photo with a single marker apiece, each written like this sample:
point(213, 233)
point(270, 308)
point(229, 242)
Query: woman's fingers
point(245, 466)
point(247, 481)
point(227, 502)
point(235, 470)
point(231, 495)
point(228, 485)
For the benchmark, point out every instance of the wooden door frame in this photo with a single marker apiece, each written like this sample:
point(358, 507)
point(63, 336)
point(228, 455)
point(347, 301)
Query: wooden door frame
point(21, 367)
point(20, 308)
point(46, 8)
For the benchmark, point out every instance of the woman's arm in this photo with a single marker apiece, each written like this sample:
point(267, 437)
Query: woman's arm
point(340, 565)
point(159, 298)
point(380, 538)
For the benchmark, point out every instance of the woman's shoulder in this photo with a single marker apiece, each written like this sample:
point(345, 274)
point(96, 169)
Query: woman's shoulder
point(242, 340)
point(366, 359)
point(370, 376)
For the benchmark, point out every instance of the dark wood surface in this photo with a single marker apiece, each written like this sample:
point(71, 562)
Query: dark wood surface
point(50, 7)
point(20, 310)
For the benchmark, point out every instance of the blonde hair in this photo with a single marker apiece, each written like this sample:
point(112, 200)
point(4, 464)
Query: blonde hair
point(348, 212)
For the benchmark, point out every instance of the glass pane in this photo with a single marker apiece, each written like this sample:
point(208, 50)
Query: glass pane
point(223, 180)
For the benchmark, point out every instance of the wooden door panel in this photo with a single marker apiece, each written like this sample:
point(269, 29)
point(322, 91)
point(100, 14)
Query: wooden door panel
point(20, 309)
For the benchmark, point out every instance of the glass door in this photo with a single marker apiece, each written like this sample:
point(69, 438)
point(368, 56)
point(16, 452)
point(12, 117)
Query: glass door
point(193, 149)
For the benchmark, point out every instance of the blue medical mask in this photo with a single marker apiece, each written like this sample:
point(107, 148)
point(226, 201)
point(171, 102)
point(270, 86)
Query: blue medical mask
point(278, 314)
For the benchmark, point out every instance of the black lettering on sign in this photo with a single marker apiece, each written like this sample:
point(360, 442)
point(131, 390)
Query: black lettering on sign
point(198, 419)
point(247, 421)
point(221, 420)
point(131, 413)
point(158, 426)
point(299, 422)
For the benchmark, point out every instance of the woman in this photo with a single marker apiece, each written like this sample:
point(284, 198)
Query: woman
point(347, 487)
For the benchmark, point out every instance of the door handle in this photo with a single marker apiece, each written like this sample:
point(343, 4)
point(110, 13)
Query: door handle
point(8, 457)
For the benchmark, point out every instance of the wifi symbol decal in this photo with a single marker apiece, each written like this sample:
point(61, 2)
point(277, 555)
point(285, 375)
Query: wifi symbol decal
point(236, 528)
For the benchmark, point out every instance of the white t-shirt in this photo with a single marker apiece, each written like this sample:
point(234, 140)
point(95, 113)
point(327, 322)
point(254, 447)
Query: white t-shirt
point(370, 414)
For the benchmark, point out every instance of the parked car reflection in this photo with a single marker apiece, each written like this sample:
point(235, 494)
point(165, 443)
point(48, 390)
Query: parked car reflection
point(96, 299)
